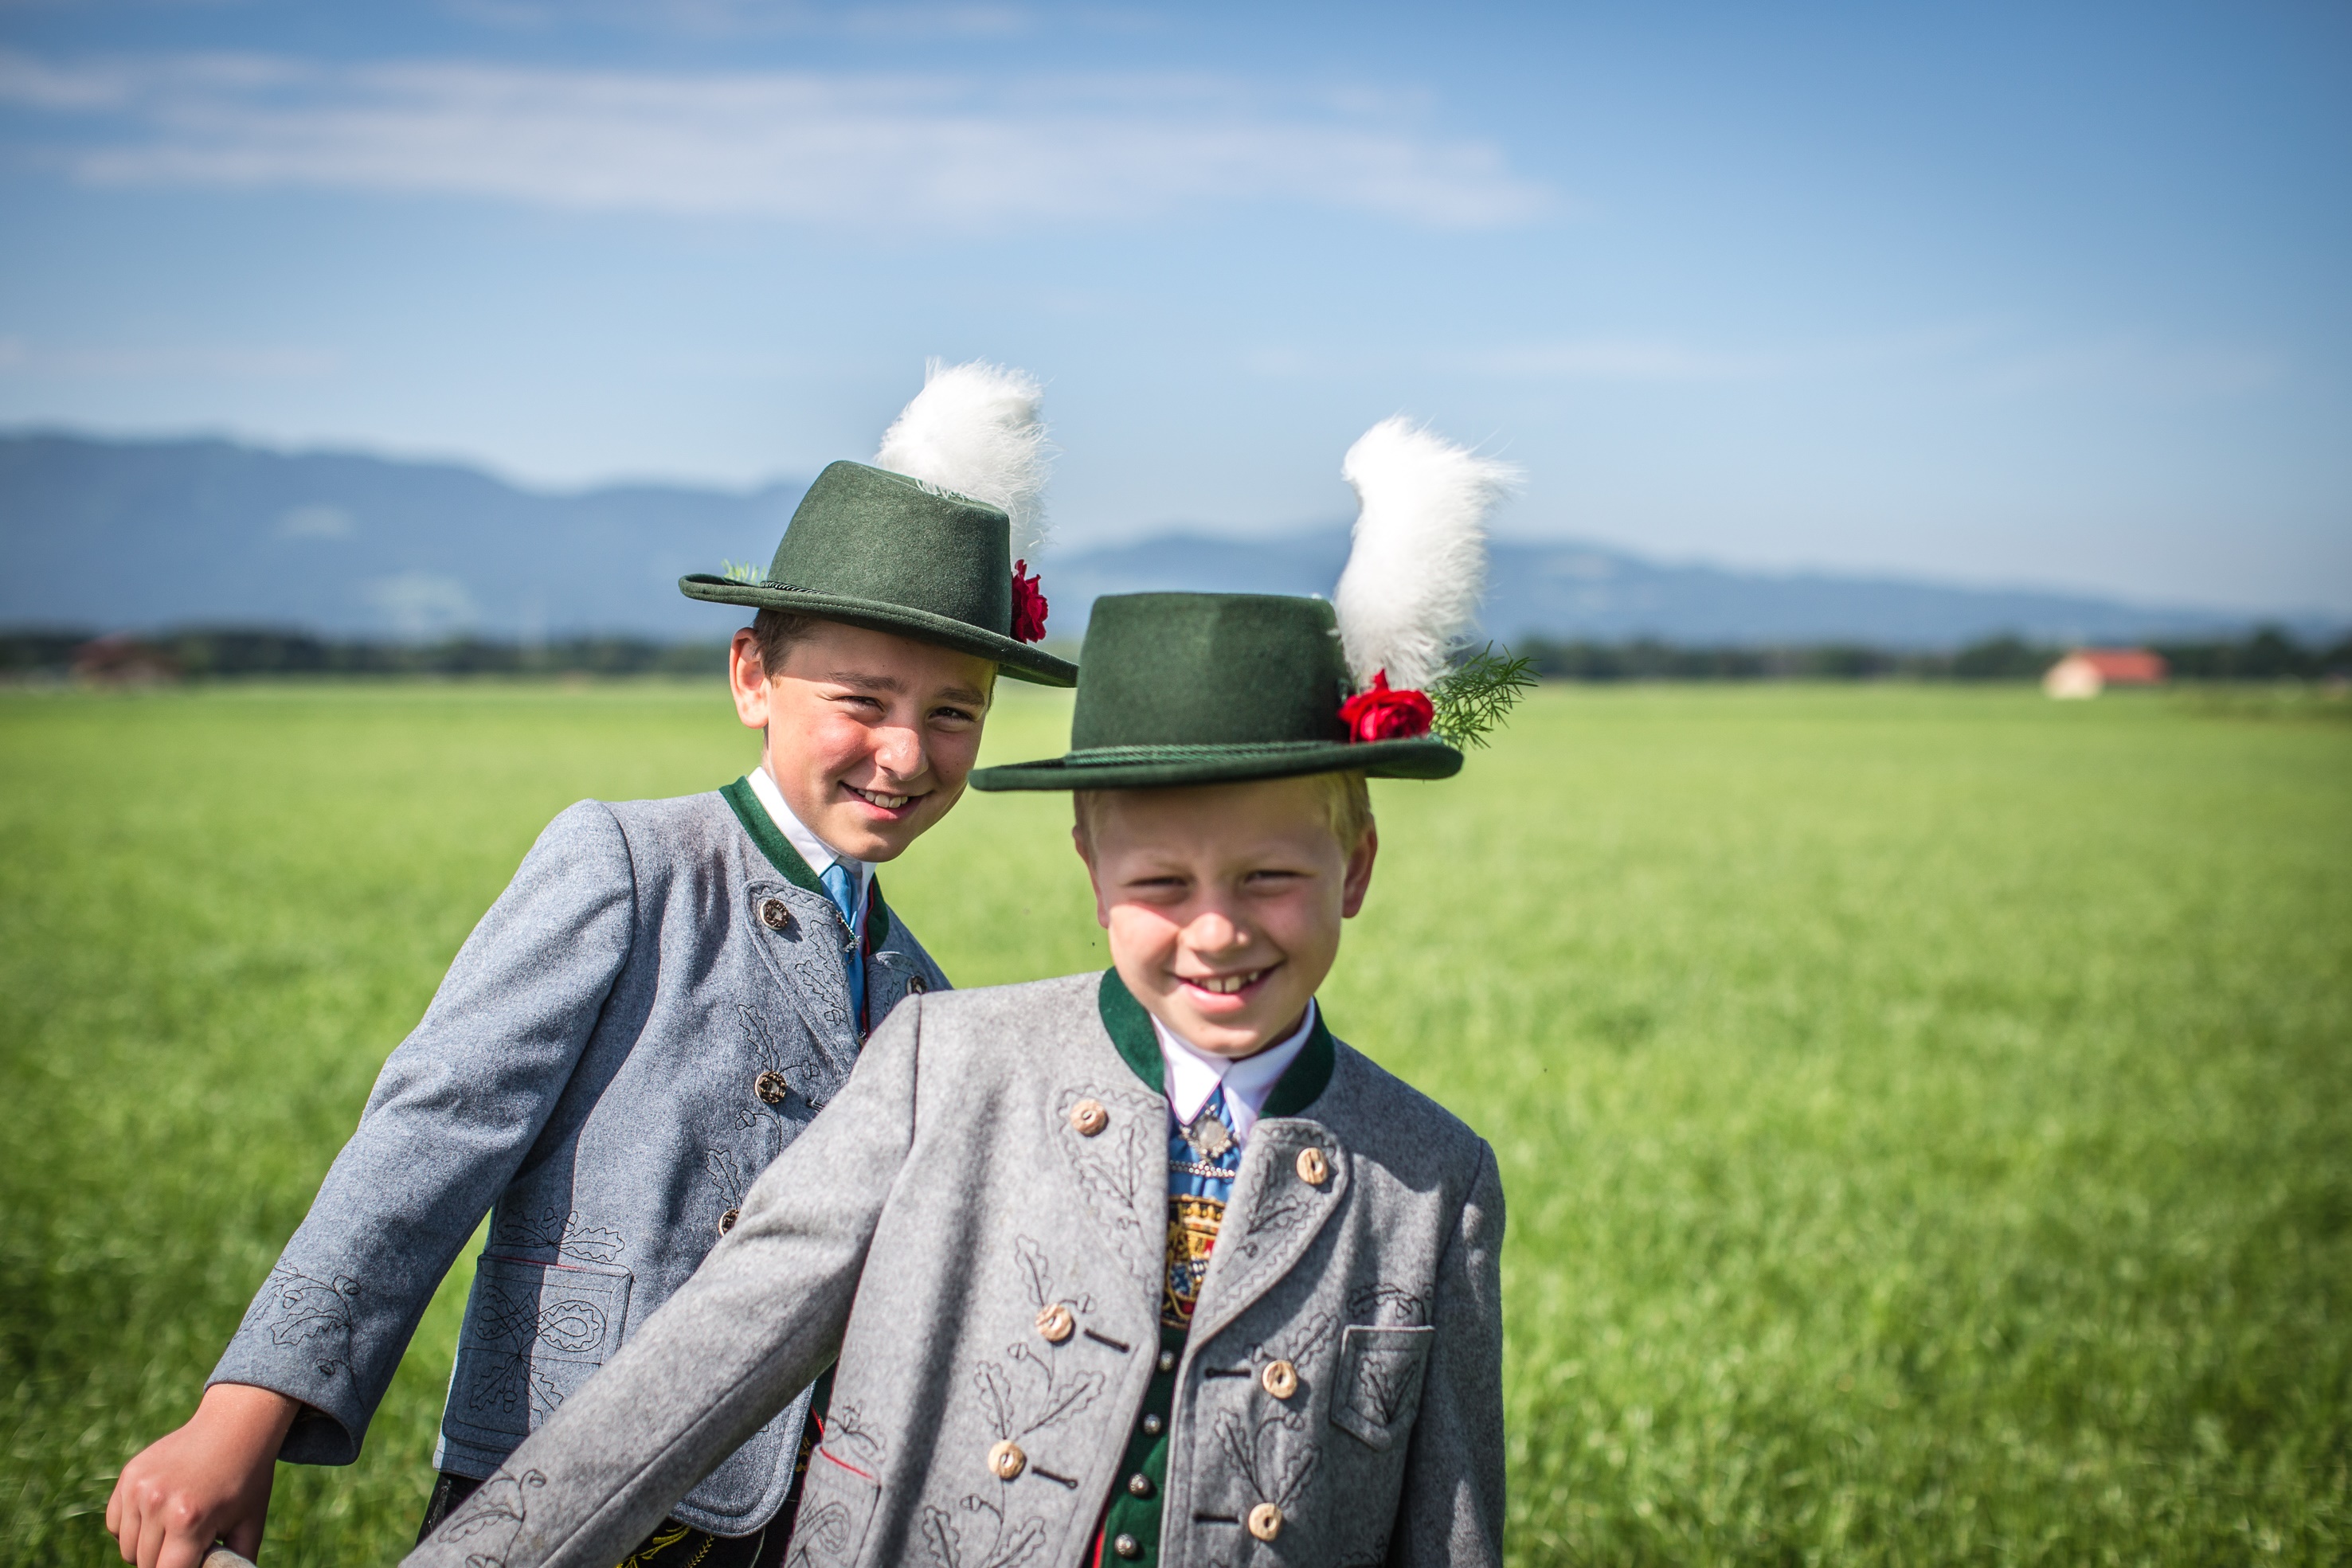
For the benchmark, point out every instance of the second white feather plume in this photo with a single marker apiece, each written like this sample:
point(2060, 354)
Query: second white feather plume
point(1418, 567)
point(976, 429)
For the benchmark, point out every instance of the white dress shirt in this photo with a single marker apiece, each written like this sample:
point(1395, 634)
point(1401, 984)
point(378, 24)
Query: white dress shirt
point(813, 849)
point(1193, 1074)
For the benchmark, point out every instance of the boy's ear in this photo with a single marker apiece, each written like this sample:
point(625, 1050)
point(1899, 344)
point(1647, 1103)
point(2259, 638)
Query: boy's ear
point(1079, 842)
point(747, 680)
point(1358, 881)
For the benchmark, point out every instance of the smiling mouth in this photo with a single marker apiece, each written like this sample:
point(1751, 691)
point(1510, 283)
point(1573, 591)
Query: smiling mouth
point(876, 798)
point(1227, 985)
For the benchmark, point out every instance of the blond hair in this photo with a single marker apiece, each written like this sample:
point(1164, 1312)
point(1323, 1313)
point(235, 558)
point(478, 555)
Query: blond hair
point(1347, 805)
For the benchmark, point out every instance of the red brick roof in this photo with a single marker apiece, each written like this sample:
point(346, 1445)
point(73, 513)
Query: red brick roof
point(2127, 666)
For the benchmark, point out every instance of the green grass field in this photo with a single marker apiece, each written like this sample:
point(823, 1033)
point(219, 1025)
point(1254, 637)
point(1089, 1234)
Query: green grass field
point(1927, 1114)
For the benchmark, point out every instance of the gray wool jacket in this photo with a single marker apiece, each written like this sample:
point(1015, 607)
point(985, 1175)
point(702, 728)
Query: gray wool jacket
point(960, 1189)
point(655, 1008)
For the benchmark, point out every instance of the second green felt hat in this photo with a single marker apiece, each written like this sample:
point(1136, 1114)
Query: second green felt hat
point(879, 549)
point(1214, 688)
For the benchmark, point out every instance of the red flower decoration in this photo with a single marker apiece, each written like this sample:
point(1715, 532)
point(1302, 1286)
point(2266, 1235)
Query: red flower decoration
point(1381, 714)
point(1028, 605)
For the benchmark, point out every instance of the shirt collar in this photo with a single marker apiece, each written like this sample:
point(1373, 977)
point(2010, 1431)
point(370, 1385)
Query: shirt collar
point(813, 849)
point(1192, 1074)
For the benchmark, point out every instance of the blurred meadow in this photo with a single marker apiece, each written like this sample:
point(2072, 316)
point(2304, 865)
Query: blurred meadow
point(1925, 1114)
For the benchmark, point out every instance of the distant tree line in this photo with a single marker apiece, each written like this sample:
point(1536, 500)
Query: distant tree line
point(214, 653)
point(217, 652)
point(2267, 655)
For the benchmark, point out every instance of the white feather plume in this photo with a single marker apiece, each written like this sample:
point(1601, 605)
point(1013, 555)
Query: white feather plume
point(975, 429)
point(1414, 576)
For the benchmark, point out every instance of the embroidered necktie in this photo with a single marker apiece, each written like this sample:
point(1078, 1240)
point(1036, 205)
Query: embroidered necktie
point(836, 884)
point(1203, 1157)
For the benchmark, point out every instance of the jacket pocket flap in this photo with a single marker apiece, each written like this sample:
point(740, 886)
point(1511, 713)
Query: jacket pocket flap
point(1379, 1382)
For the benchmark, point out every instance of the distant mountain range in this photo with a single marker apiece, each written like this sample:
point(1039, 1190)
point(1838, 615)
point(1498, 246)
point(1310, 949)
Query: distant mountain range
point(145, 535)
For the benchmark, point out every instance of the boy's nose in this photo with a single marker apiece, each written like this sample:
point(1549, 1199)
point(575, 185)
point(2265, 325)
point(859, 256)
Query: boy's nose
point(899, 751)
point(1212, 931)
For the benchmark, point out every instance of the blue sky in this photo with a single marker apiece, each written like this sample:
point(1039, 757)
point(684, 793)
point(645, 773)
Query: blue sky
point(2036, 293)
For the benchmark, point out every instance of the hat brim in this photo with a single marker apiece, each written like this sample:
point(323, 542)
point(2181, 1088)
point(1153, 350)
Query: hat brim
point(1022, 661)
point(1175, 766)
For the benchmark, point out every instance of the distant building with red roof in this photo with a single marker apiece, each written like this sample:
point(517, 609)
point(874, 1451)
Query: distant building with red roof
point(2087, 672)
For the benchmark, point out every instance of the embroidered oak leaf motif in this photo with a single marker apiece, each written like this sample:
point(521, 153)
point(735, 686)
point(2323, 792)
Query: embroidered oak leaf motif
point(1023, 1394)
point(728, 1177)
point(513, 1324)
point(845, 1431)
point(313, 1314)
point(1107, 1166)
point(984, 1540)
point(1040, 1275)
point(1385, 1381)
point(497, 1509)
point(1276, 1470)
point(555, 1230)
point(1389, 1306)
point(1301, 1345)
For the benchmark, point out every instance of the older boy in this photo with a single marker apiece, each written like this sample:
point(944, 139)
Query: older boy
point(662, 1001)
point(1136, 1266)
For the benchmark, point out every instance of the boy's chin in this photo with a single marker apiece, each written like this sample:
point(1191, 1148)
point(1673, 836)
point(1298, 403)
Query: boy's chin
point(1233, 1034)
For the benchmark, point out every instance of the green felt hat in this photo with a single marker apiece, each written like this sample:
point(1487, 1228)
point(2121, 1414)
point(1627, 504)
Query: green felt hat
point(879, 549)
point(1214, 688)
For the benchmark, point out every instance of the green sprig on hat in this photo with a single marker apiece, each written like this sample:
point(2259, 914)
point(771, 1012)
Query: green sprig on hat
point(1182, 689)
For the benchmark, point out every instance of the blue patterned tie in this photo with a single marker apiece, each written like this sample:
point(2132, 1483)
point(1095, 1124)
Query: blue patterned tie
point(837, 887)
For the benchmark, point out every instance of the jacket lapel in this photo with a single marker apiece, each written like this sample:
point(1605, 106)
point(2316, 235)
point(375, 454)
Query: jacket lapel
point(1274, 1217)
point(806, 956)
point(1295, 1175)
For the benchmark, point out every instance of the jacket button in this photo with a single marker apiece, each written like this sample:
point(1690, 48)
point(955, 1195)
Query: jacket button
point(1088, 1117)
point(1139, 1485)
point(1128, 1546)
point(1279, 1379)
point(774, 915)
point(1151, 1426)
point(1006, 1461)
point(916, 984)
point(1167, 1360)
point(726, 1220)
point(1314, 1170)
point(1055, 1323)
point(1265, 1521)
point(770, 1087)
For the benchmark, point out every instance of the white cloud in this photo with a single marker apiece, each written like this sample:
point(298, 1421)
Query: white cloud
point(891, 150)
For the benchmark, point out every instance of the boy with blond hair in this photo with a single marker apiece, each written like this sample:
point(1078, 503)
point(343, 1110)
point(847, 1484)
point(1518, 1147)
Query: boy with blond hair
point(1144, 1266)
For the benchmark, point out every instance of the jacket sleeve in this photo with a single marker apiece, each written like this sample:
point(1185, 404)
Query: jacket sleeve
point(1451, 1509)
point(453, 1115)
point(763, 1316)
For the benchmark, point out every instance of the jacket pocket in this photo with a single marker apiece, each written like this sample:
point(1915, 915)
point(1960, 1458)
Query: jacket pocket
point(1379, 1382)
point(533, 1332)
point(836, 1506)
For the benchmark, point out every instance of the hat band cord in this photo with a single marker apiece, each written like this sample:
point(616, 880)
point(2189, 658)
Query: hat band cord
point(1112, 755)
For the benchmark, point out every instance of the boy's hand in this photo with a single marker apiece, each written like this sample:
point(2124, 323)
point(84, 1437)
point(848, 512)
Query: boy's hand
point(207, 1481)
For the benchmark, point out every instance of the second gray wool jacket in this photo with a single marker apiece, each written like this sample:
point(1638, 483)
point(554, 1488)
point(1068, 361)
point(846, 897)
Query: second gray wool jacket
point(977, 1227)
point(653, 1010)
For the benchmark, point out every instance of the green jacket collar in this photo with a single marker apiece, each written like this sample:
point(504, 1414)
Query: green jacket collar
point(1130, 1028)
point(788, 864)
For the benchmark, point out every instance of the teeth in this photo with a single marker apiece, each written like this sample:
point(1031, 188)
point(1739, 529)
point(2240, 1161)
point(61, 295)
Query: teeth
point(1226, 984)
point(888, 802)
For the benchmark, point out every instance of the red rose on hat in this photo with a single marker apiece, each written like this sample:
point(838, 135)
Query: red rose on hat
point(1381, 714)
point(1028, 605)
